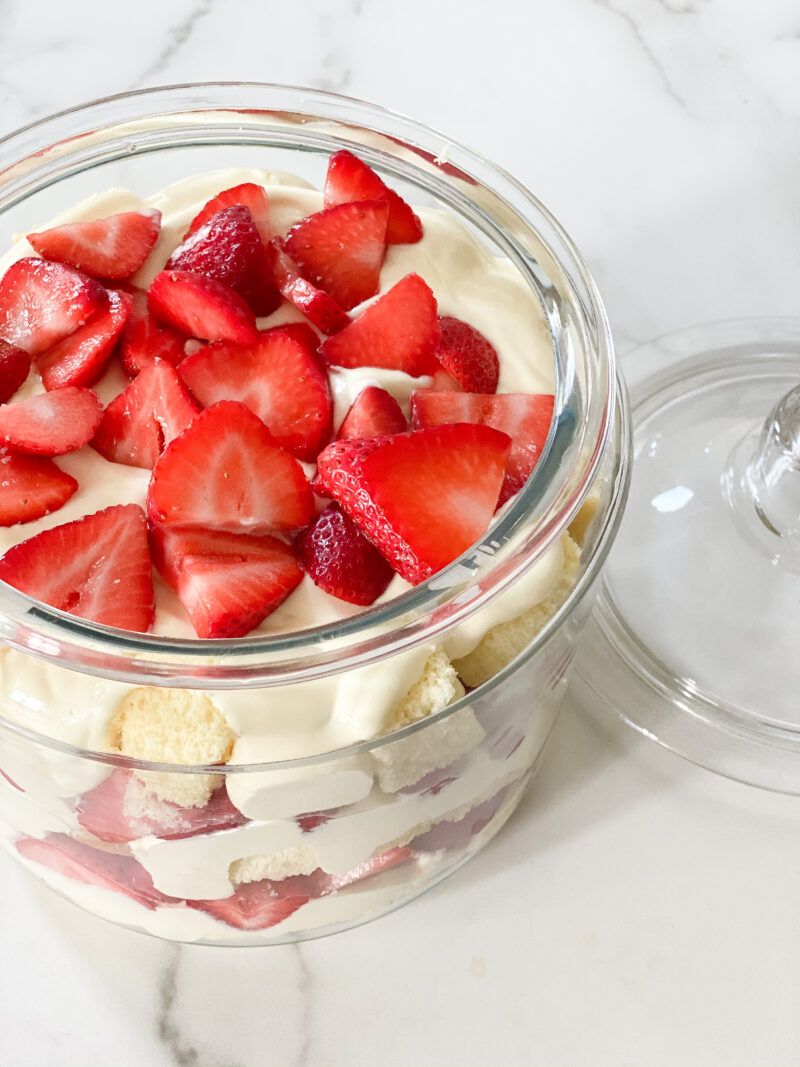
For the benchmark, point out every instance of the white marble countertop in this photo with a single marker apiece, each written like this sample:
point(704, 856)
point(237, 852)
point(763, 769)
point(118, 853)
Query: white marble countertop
point(636, 910)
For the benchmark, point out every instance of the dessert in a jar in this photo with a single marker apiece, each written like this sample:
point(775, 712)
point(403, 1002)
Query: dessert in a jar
point(304, 488)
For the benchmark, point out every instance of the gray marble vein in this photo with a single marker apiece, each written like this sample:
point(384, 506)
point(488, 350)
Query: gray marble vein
point(178, 37)
point(183, 1053)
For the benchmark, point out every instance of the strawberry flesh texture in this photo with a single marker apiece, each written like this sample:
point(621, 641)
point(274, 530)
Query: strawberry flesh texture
point(350, 179)
point(373, 413)
point(31, 487)
point(97, 568)
point(340, 560)
point(80, 359)
point(422, 497)
point(145, 340)
point(113, 247)
point(400, 331)
point(457, 834)
point(15, 365)
point(319, 308)
point(340, 249)
point(51, 424)
point(467, 356)
point(201, 307)
point(249, 195)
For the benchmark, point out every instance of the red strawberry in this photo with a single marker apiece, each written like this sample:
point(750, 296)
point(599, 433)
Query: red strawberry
point(400, 331)
point(201, 307)
point(393, 857)
point(341, 560)
point(449, 834)
point(80, 359)
point(15, 365)
point(320, 309)
point(254, 906)
point(229, 249)
point(138, 424)
point(113, 247)
point(467, 356)
point(250, 195)
point(278, 377)
point(121, 809)
point(31, 487)
point(349, 179)
point(423, 497)
point(374, 413)
point(97, 568)
point(227, 582)
point(525, 417)
point(225, 472)
point(144, 339)
point(341, 249)
point(50, 424)
point(41, 303)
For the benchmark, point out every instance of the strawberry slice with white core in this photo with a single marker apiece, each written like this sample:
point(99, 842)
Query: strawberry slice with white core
point(227, 582)
point(30, 487)
point(138, 424)
point(41, 303)
point(341, 249)
point(340, 560)
point(399, 331)
point(225, 472)
point(81, 358)
point(319, 308)
point(373, 413)
point(525, 417)
point(145, 340)
point(278, 377)
point(249, 195)
point(467, 356)
point(97, 568)
point(423, 497)
point(15, 365)
point(350, 179)
point(201, 307)
point(229, 249)
point(254, 906)
point(51, 424)
point(113, 247)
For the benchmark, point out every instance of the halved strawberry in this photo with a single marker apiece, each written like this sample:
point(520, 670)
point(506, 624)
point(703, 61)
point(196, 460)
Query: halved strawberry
point(248, 194)
point(278, 377)
point(229, 249)
point(224, 472)
point(467, 356)
point(51, 424)
point(113, 247)
point(15, 364)
point(400, 331)
point(525, 417)
point(141, 421)
point(341, 249)
point(227, 582)
point(422, 497)
point(340, 559)
point(201, 307)
point(122, 809)
point(144, 339)
point(97, 568)
point(81, 358)
point(41, 303)
point(319, 308)
point(373, 413)
point(30, 487)
point(254, 906)
point(350, 179)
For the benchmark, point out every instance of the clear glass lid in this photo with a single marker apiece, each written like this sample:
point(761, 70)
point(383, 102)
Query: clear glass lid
point(695, 639)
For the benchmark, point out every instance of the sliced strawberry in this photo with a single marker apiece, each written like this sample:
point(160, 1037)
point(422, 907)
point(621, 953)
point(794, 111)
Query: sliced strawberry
point(457, 834)
point(422, 497)
point(122, 809)
point(97, 568)
point(320, 309)
point(227, 582)
point(525, 417)
point(138, 424)
point(229, 249)
point(349, 179)
point(400, 331)
point(278, 377)
point(201, 307)
point(15, 365)
point(144, 339)
point(393, 857)
point(340, 559)
point(374, 413)
point(249, 195)
point(31, 487)
point(51, 424)
point(314, 819)
point(467, 356)
point(113, 247)
point(341, 249)
point(41, 303)
point(81, 358)
point(254, 906)
point(225, 473)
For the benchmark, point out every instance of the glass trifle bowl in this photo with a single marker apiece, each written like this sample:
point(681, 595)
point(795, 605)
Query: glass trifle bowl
point(312, 778)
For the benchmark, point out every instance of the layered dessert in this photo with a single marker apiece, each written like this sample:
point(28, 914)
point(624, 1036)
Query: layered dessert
point(245, 407)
